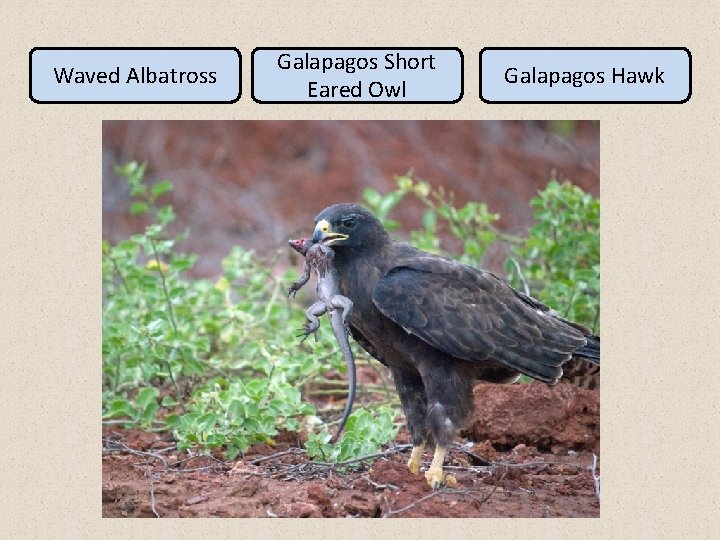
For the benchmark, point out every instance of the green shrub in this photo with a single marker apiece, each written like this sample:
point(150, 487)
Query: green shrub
point(365, 433)
point(237, 414)
point(560, 258)
point(218, 363)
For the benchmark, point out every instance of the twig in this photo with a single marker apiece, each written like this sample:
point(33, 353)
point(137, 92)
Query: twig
point(196, 469)
point(366, 389)
point(392, 512)
point(273, 298)
point(391, 487)
point(148, 471)
point(595, 320)
point(572, 297)
point(164, 285)
point(494, 489)
point(533, 463)
point(520, 273)
point(473, 455)
point(153, 346)
point(168, 467)
point(212, 458)
point(277, 455)
point(119, 274)
point(152, 489)
point(584, 161)
point(126, 448)
point(313, 468)
point(117, 374)
point(595, 477)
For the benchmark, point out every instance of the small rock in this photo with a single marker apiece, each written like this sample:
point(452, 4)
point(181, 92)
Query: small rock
point(317, 493)
point(361, 505)
point(109, 493)
point(334, 482)
point(303, 510)
point(485, 450)
point(246, 487)
point(196, 500)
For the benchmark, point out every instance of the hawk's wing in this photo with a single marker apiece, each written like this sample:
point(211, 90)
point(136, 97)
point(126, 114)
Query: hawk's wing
point(474, 315)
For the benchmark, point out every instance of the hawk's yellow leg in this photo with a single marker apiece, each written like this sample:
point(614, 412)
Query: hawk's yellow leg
point(434, 475)
point(415, 455)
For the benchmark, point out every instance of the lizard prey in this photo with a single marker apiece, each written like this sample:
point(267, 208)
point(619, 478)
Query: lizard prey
point(318, 257)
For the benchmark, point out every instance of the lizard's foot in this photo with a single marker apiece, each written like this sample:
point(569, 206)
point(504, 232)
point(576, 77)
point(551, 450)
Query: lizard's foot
point(292, 291)
point(307, 334)
point(307, 330)
point(413, 463)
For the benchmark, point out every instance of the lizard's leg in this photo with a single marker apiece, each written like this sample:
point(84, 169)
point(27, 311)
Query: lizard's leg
point(313, 322)
point(345, 304)
point(302, 280)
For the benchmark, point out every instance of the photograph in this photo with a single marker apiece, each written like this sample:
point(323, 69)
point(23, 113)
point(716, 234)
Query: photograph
point(350, 318)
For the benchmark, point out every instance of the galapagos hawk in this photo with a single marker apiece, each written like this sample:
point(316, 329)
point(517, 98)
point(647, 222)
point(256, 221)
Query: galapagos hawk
point(439, 325)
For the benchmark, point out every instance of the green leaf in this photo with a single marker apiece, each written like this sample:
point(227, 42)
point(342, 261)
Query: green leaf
point(181, 264)
point(206, 422)
point(146, 396)
point(120, 407)
point(138, 207)
point(149, 412)
point(161, 188)
point(236, 410)
point(371, 196)
point(173, 421)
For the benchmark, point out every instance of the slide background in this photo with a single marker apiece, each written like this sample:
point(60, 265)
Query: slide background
point(660, 226)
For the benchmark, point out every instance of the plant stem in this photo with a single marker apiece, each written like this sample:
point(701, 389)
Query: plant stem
point(164, 285)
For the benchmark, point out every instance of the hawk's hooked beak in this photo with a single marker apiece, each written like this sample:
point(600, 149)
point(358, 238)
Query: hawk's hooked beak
point(324, 233)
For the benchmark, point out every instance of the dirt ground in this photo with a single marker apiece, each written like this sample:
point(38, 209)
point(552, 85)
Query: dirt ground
point(527, 453)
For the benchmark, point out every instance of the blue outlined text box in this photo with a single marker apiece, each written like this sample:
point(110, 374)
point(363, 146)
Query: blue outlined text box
point(357, 75)
point(135, 75)
point(585, 75)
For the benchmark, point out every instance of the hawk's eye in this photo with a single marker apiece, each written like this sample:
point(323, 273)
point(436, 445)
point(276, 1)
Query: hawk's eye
point(348, 223)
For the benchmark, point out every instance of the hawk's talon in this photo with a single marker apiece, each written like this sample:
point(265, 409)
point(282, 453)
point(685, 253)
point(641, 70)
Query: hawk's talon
point(434, 475)
point(436, 478)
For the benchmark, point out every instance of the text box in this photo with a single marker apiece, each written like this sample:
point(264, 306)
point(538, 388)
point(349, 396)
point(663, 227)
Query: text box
point(585, 75)
point(135, 75)
point(357, 75)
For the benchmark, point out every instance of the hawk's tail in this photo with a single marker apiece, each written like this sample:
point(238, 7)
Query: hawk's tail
point(590, 351)
point(584, 371)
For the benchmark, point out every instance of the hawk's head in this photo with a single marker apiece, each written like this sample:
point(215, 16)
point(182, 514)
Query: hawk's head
point(348, 226)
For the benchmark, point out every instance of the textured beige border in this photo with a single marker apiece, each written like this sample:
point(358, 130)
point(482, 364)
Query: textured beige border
point(660, 229)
